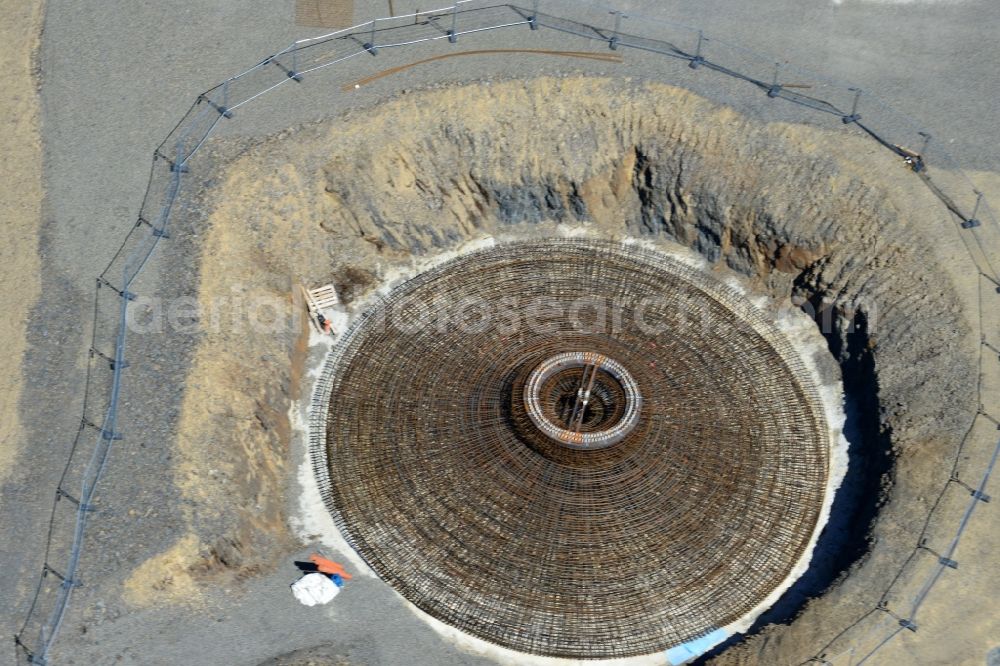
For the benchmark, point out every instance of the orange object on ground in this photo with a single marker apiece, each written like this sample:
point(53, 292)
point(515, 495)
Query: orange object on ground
point(329, 566)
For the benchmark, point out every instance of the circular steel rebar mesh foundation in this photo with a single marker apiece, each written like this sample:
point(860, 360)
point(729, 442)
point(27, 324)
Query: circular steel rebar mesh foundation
point(439, 479)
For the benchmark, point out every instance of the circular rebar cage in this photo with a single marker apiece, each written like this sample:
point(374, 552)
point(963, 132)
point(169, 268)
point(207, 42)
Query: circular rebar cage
point(583, 400)
point(438, 474)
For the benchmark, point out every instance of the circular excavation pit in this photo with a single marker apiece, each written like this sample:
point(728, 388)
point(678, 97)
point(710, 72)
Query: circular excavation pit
point(575, 448)
point(806, 219)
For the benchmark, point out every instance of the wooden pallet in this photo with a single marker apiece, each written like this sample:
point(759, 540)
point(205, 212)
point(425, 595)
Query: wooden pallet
point(324, 297)
point(318, 300)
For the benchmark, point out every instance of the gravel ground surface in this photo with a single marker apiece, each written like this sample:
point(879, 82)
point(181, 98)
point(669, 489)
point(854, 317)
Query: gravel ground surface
point(115, 77)
point(20, 207)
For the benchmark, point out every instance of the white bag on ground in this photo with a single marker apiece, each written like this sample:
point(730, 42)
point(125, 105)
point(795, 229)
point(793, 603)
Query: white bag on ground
point(314, 588)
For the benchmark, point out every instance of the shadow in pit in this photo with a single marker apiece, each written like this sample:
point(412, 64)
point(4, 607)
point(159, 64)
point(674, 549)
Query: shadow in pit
point(845, 538)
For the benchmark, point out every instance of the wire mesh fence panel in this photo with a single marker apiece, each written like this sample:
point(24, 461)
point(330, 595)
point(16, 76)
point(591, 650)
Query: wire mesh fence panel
point(470, 21)
point(267, 76)
point(167, 149)
point(624, 28)
point(864, 637)
point(972, 210)
point(101, 364)
point(664, 39)
point(744, 64)
point(212, 112)
point(945, 546)
point(639, 26)
point(891, 128)
point(584, 20)
point(58, 576)
point(820, 93)
point(341, 57)
point(919, 568)
point(111, 276)
point(144, 245)
point(309, 58)
point(35, 632)
point(155, 204)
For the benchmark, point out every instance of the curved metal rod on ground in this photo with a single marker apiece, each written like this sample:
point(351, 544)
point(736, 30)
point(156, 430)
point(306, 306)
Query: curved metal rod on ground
point(587, 55)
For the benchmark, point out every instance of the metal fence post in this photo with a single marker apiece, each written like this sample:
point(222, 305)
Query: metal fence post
point(923, 146)
point(613, 42)
point(775, 88)
point(452, 34)
point(697, 61)
point(854, 116)
point(973, 221)
point(294, 74)
point(370, 44)
point(179, 166)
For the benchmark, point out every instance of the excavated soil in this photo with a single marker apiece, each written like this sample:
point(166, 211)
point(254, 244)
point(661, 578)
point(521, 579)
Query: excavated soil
point(828, 221)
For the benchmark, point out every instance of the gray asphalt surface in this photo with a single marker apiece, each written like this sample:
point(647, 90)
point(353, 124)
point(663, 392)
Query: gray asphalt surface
point(117, 75)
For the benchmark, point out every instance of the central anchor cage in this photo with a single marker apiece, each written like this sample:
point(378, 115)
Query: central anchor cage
point(583, 400)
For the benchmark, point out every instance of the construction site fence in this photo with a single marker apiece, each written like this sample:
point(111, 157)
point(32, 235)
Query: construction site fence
point(318, 60)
